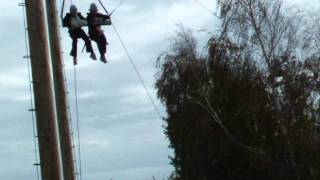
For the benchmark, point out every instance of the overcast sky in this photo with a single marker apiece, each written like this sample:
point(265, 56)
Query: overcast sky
point(122, 136)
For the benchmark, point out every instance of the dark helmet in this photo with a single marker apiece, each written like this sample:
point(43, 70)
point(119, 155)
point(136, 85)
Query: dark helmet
point(93, 7)
point(73, 9)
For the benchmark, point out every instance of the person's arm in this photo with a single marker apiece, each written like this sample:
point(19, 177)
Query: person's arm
point(103, 16)
point(81, 17)
point(66, 21)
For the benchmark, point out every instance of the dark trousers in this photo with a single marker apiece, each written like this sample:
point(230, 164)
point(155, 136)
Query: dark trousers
point(75, 34)
point(101, 41)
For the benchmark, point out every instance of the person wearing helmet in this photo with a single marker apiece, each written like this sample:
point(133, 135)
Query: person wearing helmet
point(74, 21)
point(95, 32)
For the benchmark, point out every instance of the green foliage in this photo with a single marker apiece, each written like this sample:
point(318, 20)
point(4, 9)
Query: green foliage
point(222, 122)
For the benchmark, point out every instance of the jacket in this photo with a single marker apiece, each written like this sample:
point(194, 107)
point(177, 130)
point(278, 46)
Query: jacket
point(66, 22)
point(95, 29)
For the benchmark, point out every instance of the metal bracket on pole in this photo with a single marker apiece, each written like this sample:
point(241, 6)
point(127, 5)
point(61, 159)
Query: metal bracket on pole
point(32, 110)
point(26, 57)
point(41, 136)
point(31, 28)
point(22, 4)
point(35, 82)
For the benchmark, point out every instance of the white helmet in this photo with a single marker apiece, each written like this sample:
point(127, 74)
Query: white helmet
point(93, 7)
point(73, 9)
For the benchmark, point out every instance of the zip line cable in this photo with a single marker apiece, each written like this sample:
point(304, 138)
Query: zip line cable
point(27, 57)
point(131, 59)
point(206, 8)
point(104, 8)
point(133, 65)
point(116, 7)
point(137, 72)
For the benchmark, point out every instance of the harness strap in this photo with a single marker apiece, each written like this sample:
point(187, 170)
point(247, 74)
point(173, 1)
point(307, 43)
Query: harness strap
point(62, 9)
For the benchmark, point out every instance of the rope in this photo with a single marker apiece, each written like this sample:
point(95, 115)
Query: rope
point(78, 169)
point(137, 72)
point(134, 65)
point(104, 8)
point(62, 10)
point(71, 127)
point(131, 59)
point(30, 91)
point(77, 118)
point(206, 8)
point(121, 2)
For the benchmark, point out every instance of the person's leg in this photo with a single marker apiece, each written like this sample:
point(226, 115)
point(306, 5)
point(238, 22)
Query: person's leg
point(74, 38)
point(102, 45)
point(74, 50)
point(87, 41)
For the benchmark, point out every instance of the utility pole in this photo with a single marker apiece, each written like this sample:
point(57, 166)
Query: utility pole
point(63, 116)
point(43, 93)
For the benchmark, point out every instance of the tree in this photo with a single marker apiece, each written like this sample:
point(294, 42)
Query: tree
point(248, 110)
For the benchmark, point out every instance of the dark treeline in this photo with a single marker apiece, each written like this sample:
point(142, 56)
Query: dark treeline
point(250, 108)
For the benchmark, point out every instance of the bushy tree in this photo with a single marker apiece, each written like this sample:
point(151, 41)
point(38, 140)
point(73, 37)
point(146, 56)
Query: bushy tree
point(240, 113)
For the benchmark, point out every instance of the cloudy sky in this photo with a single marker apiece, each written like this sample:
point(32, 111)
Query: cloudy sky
point(122, 136)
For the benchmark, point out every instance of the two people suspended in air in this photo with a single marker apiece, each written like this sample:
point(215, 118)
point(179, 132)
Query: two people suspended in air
point(74, 21)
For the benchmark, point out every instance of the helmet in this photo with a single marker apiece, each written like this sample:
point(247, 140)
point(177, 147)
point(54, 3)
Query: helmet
point(73, 9)
point(93, 7)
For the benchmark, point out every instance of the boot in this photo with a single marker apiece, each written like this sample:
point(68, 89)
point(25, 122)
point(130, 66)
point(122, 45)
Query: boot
point(93, 56)
point(103, 59)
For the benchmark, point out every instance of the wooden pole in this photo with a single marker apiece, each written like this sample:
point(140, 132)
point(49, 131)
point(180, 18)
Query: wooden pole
point(63, 116)
point(43, 93)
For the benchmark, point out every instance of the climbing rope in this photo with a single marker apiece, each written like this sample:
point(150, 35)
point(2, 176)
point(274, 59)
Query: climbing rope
point(62, 10)
point(71, 127)
point(77, 119)
point(79, 166)
point(31, 110)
